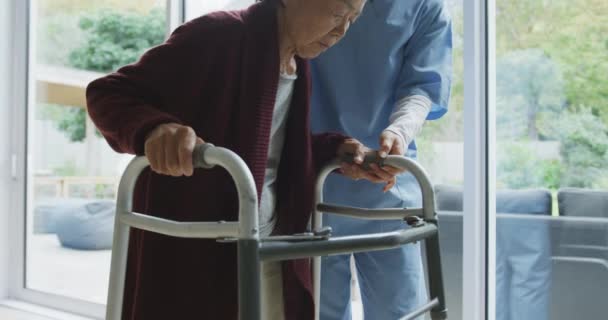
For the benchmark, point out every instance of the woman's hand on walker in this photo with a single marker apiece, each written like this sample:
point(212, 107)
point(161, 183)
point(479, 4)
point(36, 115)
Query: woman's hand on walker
point(169, 149)
point(355, 170)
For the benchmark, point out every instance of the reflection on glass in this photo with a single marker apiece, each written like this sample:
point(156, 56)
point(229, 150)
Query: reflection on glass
point(441, 153)
point(552, 151)
point(73, 174)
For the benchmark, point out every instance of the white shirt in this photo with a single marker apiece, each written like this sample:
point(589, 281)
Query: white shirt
point(408, 117)
point(277, 139)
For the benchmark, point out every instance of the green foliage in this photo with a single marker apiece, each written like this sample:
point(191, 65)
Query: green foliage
point(69, 120)
point(103, 41)
point(73, 123)
point(571, 34)
point(53, 47)
point(115, 39)
point(584, 148)
point(551, 171)
point(519, 166)
point(529, 90)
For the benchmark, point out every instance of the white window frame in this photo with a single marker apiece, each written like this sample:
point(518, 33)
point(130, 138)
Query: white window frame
point(17, 295)
point(479, 187)
point(479, 203)
point(7, 161)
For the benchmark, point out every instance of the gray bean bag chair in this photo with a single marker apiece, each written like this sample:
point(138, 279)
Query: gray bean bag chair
point(87, 227)
point(48, 210)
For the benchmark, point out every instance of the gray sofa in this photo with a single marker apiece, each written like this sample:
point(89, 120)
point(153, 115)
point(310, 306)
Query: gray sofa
point(523, 252)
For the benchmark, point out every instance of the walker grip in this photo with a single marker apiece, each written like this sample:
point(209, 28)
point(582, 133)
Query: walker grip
point(198, 156)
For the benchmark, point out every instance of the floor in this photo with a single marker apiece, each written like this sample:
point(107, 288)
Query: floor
point(82, 274)
point(72, 273)
point(12, 314)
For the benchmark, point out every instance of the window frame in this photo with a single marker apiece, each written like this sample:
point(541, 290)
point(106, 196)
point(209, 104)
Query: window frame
point(479, 191)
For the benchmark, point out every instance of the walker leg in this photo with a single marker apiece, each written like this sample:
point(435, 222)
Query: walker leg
point(316, 278)
point(439, 312)
point(249, 279)
point(118, 269)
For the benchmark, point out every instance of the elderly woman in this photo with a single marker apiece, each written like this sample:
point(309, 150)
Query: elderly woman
point(238, 80)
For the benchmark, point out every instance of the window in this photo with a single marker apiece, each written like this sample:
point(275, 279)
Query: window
point(72, 174)
point(441, 153)
point(552, 154)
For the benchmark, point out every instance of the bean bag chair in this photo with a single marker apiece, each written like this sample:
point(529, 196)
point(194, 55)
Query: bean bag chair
point(87, 227)
point(47, 211)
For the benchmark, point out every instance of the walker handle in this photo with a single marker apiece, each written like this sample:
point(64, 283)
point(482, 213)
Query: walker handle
point(198, 156)
point(370, 157)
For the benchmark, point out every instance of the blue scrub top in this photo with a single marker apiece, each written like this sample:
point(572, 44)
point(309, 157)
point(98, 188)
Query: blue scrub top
point(397, 48)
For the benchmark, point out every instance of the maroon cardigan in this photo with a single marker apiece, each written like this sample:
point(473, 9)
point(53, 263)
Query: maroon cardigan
point(219, 75)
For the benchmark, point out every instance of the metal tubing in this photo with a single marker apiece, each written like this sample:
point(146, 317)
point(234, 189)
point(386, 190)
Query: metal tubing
point(317, 223)
point(428, 195)
point(280, 250)
point(245, 186)
point(120, 245)
point(118, 270)
point(421, 310)
point(211, 230)
point(428, 208)
point(370, 214)
point(249, 279)
point(204, 156)
point(433, 256)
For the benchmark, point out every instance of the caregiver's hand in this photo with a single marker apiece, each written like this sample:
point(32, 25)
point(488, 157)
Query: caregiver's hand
point(169, 149)
point(354, 148)
point(390, 144)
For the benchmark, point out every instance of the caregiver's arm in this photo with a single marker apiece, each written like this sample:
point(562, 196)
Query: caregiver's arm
point(406, 123)
point(407, 120)
point(423, 87)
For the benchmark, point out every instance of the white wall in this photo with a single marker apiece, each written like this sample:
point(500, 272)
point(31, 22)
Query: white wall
point(5, 159)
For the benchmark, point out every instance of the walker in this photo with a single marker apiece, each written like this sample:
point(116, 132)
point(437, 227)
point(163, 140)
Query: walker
point(252, 250)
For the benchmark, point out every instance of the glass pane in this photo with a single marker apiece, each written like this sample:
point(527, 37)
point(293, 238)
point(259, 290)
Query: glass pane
point(441, 152)
point(73, 174)
point(197, 8)
point(552, 155)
